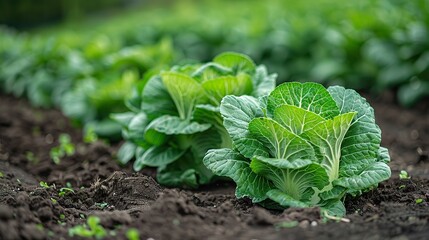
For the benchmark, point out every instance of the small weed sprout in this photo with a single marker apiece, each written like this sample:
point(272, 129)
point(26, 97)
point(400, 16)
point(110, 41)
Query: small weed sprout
point(44, 184)
point(66, 148)
point(90, 136)
point(132, 234)
point(404, 175)
point(92, 229)
point(64, 191)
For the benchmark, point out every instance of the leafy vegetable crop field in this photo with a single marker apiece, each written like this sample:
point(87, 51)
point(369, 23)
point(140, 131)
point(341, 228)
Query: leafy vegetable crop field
point(192, 126)
point(125, 201)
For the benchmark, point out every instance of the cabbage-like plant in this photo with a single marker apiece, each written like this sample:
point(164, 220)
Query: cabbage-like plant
point(175, 116)
point(301, 146)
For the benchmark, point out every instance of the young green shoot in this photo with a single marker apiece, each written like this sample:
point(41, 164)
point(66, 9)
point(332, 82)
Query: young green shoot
point(132, 234)
point(44, 184)
point(92, 229)
point(65, 190)
point(65, 148)
point(404, 175)
point(90, 136)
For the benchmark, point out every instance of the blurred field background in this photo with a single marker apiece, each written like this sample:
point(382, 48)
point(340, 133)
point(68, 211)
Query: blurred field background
point(87, 57)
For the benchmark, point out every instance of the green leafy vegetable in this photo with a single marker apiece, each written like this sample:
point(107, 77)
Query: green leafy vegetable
point(178, 118)
point(301, 146)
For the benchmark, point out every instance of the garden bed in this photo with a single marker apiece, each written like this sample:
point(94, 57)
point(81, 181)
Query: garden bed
point(123, 199)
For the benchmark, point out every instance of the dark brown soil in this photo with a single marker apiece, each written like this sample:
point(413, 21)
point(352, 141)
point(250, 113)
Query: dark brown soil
point(124, 200)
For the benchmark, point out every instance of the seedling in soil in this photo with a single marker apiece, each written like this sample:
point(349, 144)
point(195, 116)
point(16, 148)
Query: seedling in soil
point(1, 174)
point(64, 191)
point(419, 200)
point(61, 221)
point(90, 136)
point(31, 157)
point(44, 184)
point(66, 148)
point(404, 175)
point(90, 230)
point(102, 205)
point(54, 201)
point(132, 234)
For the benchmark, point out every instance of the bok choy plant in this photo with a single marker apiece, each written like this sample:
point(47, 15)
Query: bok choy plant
point(175, 116)
point(301, 146)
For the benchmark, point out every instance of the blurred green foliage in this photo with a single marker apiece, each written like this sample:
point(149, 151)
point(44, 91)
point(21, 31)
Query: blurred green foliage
point(24, 14)
point(88, 68)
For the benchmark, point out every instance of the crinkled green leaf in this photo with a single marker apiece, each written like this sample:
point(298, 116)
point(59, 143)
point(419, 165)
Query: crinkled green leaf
point(202, 142)
point(185, 91)
point(156, 101)
point(280, 142)
point(369, 176)
point(285, 200)
point(362, 141)
point(219, 87)
point(327, 138)
point(337, 192)
point(160, 155)
point(228, 163)
point(383, 155)
point(298, 183)
point(173, 125)
point(236, 61)
point(308, 96)
point(263, 82)
point(284, 162)
point(295, 119)
point(237, 113)
point(210, 114)
point(333, 207)
point(206, 113)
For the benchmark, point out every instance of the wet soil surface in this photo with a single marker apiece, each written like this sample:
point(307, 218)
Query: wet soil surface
point(123, 200)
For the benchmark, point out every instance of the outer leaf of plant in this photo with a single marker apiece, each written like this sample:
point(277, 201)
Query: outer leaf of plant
point(229, 163)
point(180, 118)
point(301, 146)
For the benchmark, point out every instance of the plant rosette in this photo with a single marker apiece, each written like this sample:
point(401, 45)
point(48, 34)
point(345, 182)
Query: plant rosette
point(301, 146)
point(175, 116)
